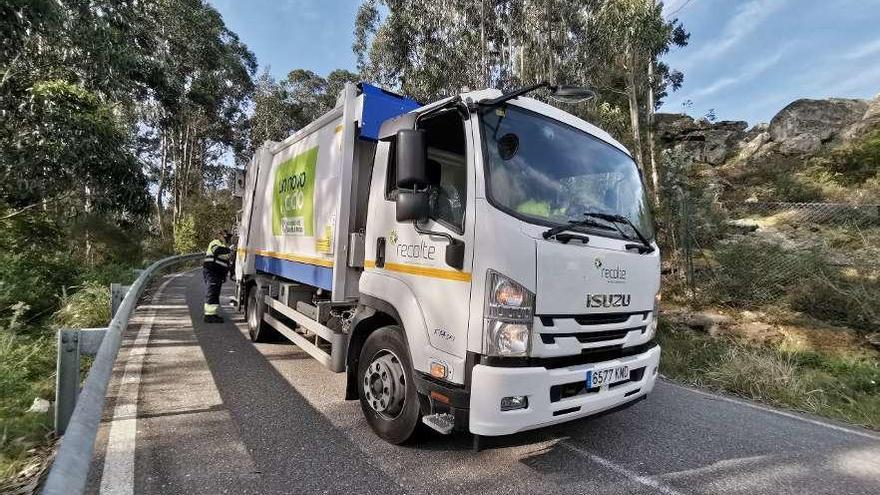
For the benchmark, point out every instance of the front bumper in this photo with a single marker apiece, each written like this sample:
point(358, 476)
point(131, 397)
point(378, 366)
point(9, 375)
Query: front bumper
point(552, 393)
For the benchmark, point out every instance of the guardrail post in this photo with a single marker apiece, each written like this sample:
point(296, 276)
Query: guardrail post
point(66, 377)
point(117, 295)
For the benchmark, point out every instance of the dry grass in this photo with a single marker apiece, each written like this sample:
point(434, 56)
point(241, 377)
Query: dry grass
point(844, 386)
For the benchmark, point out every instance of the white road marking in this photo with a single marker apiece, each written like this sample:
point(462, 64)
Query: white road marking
point(787, 414)
point(118, 474)
point(631, 475)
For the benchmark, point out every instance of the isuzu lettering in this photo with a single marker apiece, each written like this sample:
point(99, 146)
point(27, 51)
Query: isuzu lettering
point(484, 263)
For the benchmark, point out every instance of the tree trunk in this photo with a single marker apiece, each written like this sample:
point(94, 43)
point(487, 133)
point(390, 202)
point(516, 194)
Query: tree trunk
point(634, 108)
point(655, 175)
point(160, 188)
point(484, 70)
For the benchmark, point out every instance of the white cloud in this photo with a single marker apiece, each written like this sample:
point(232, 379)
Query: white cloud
point(745, 74)
point(864, 50)
point(747, 18)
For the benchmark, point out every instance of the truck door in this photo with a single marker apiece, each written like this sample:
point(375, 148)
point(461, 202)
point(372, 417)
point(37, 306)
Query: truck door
point(396, 250)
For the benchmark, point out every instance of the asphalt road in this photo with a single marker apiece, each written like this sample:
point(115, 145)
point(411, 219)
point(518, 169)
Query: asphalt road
point(196, 408)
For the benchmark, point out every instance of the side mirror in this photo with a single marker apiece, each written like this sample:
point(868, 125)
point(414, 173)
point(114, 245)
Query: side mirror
point(455, 254)
point(412, 205)
point(411, 157)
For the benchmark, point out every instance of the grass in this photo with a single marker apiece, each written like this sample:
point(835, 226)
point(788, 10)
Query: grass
point(27, 371)
point(844, 387)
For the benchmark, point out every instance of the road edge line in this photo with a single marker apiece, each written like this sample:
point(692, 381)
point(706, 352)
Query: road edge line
point(769, 409)
point(122, 435)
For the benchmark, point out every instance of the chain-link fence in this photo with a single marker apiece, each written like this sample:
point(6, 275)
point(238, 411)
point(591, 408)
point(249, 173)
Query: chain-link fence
point(821, 259)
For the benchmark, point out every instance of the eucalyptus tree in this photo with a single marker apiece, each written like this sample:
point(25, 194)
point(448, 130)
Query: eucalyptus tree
point(435, 47)
point(632, 35)
point(282, 107)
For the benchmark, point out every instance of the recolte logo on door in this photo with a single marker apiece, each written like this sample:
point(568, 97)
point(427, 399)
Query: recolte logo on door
point(293, 197)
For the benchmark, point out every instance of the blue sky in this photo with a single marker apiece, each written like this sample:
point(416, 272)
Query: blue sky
point(746, 58)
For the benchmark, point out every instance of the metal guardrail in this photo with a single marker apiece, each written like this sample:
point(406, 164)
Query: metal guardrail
point(70, 470)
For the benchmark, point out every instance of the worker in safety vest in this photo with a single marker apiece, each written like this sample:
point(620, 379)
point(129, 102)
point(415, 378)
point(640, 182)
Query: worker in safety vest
point(215, 268)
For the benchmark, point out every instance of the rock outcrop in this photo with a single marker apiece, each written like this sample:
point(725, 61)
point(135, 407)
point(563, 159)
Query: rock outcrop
point(803, 127)
point(707, 142)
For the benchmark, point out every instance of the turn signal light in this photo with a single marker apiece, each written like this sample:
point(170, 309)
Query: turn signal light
point(438, 370)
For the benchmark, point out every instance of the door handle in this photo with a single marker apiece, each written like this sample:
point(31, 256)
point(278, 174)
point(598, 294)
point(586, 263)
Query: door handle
point(380, 252)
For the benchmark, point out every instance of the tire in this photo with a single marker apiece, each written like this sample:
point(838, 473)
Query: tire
point(392, 412)
point(258, 330)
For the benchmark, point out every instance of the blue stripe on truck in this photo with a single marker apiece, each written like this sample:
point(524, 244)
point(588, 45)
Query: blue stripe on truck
point(316, 276)
point(379, 106)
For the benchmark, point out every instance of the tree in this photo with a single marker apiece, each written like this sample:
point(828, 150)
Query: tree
point(433, 48)
point(282, 107)
point(632, 34)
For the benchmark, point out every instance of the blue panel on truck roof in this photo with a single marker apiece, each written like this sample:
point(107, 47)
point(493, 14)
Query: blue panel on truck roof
point(379, 106)
point(316, 276)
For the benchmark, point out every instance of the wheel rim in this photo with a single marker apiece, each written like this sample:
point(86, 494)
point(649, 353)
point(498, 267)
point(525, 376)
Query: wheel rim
point(252, 316)
point(384, 385)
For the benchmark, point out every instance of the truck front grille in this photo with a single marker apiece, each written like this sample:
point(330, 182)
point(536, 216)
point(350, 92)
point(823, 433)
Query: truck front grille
point(587, 356)
point(567, 335)
point(586, 337)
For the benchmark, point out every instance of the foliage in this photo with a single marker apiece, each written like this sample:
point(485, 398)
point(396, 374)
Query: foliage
point(842, 387)
point(689, 217)
point(185, 235)
point(282, 107)
point(87, 307)
point(27, 365)
point(853, 163)
point(207, 215)
point(62, 143)
point(34, 265)
point(436, 48)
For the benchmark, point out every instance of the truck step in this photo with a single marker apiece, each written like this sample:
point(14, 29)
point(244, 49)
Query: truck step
point(442, 422)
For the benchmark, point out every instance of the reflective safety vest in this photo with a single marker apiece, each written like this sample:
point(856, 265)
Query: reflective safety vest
point(217, 254)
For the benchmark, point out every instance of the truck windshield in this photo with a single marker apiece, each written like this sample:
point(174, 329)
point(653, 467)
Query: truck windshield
point(547, 172)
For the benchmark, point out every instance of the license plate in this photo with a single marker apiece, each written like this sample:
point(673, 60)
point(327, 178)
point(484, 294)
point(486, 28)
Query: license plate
point(607, 376)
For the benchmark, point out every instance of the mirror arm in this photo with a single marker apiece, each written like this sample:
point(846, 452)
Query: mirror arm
point(490, 104)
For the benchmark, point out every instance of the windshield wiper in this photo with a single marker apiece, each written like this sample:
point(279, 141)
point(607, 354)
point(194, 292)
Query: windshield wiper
point(646, 246)
point(551, 232)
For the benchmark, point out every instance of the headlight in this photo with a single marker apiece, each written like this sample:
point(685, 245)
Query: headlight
point(509, 312)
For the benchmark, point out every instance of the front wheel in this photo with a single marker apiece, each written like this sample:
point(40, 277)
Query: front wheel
point(386, 387)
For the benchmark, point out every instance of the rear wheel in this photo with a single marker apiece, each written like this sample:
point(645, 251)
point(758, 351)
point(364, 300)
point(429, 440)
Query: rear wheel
point(259, 330)
point(386, 387)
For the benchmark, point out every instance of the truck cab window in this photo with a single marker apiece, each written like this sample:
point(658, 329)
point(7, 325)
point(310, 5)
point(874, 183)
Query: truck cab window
point(447, 168)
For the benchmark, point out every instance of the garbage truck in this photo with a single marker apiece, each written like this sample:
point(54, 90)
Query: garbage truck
point(485, 263)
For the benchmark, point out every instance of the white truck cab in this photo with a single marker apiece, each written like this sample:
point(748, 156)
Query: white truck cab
point(484, 263)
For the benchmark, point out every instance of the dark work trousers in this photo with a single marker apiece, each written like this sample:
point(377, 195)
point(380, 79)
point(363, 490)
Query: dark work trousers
point(214, 278)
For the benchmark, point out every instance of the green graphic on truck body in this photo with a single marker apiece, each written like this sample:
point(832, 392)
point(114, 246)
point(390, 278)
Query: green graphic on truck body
point(293, 196)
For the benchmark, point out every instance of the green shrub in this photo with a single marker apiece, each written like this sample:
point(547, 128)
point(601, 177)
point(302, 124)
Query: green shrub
point(27, 366)
point(185, 235)
point(88, 307)
point(856, 162)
